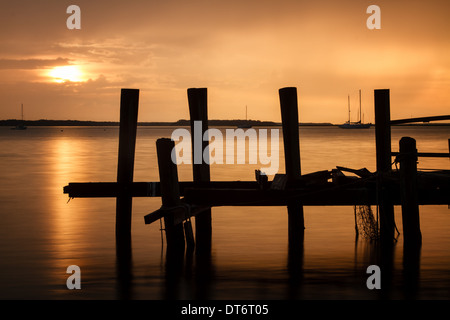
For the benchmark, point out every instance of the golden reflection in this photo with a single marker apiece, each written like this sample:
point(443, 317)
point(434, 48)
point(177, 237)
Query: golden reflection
point(64, 165)
point(81, 228)
point(61, 166)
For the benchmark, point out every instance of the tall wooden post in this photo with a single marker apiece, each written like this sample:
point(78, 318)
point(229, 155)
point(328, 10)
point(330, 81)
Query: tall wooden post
point(170, 193)
point(289, 117)
point(170, 197)
point(410, 207)
point(198, 110)
point(412, 236)
point(129, 102)
point(383, 157)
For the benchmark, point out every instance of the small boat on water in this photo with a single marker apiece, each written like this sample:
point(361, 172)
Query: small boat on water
point(358, 124)
point(21, 124)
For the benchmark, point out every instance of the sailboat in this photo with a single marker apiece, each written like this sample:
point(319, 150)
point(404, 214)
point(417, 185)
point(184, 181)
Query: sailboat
point(21, 124)
point(245, 125)
point(358, 124)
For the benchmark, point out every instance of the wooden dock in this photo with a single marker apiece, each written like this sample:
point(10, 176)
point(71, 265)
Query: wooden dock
point(310, 191)
point(182, 200)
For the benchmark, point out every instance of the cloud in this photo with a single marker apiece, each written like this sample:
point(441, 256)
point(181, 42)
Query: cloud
point(116, 50)
point(30, 64)
point(243, 51)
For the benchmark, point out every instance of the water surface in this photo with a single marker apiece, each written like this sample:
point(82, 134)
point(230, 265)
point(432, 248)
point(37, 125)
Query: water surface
point(42, 233)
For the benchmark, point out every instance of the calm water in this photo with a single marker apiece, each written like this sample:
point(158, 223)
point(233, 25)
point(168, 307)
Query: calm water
point(42, 233)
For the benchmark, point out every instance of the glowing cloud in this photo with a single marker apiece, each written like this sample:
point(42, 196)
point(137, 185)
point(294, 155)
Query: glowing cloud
point(66, 73)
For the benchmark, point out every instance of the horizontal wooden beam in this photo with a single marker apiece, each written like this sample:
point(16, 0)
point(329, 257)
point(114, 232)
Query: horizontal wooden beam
point(421, 119)
point(434, 188)
point(152, 189)
point(427, 154)
point(243, 193)
point(270, 197)
point(111, 189)
point(307, 197)
point(142, 189)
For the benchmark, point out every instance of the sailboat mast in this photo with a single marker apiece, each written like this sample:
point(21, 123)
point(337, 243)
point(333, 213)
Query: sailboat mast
point(22, 111)
point(360, 106)
point(348, 108)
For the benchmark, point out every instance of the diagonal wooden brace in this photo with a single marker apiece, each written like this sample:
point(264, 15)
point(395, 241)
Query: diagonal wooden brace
point(180, 213)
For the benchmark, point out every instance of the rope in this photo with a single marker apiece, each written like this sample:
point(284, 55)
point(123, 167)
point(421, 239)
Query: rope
point(162, 239)
point(161, 229)
point(185, 206)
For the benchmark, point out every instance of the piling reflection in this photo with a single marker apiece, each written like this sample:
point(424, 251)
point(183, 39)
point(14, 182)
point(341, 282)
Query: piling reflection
point(124, 268)
point(188, 275)
point(411, 269)
point(295, 265)
point(204, 275)
point(173, 276)
point(385, 259)
point(397, 281)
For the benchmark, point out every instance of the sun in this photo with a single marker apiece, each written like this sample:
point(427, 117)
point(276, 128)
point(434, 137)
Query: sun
point(66, 73)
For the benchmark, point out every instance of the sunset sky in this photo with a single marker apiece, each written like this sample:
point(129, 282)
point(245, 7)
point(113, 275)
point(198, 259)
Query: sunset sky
point(242, 51)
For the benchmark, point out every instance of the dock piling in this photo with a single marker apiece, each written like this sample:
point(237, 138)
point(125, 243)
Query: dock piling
point(289, 117)
point(383, 161)
point(170, 193)
point(129, 103)
point(198, 111)
point(410, 207)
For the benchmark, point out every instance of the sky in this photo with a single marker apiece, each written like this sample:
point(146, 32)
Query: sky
point(243, 51)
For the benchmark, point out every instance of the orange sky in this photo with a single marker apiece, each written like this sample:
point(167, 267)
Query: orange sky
point(243, 51)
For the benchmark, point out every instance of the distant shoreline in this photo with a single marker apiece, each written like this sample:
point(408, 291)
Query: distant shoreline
point(180, 123)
